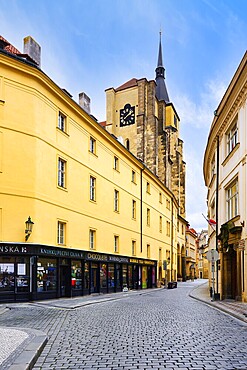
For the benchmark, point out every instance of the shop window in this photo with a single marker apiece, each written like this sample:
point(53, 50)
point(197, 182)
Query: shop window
point(76, 275)
point(22, 274)
point(86, 276)
point(46, 274)
point(124, 274)
point(111, 275)
point(103, 276)
point(7, 276)
point(232, 200)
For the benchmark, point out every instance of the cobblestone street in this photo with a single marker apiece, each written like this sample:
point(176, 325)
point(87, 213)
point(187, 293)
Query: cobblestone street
point(164, 329)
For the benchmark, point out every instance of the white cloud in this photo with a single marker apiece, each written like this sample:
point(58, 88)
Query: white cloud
point(200, 114)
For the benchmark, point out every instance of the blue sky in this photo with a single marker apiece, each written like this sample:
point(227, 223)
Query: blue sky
point(91, 45)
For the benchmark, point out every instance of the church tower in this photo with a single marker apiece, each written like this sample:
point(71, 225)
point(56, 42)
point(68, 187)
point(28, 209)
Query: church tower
point(141, 116)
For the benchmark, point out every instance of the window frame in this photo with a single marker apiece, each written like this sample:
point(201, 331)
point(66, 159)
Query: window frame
point(116, 243)
point(61, 232)
point(133, 209)
point(92, 188)
point(61, 173)
point(116, 200)
point(133, 247)
point(92, 145)
point(232, 137)
point(116, 163)
point(232, 200)
point(62, 122)
point(92, 239)
point(148, 216)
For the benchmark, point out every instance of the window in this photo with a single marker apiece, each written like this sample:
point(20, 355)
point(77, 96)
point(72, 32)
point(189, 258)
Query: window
point(61, 173)
point(148, 187)
point(133, 247)
point(148, 217)
point(232, 200)
point(116, 243)
point(168, 204)
point(160, 254)
point(62, 122)
point(148, 250)
point(213, 167)
point(116, 164)
point(168, 226)
point(134, 209)
point(61, 233)
point(160, 197)
point(92, 188)
point(232, 138)
point(178, 226)
point(212, 210)
point(133, 176)
point(92, 238)
point(127, 144)
point(116, 200)
point(92, 145)
point(160, 225)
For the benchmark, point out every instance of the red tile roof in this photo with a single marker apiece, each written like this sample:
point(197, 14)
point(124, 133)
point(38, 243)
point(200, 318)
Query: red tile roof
point(126, 85)
point(10, 48)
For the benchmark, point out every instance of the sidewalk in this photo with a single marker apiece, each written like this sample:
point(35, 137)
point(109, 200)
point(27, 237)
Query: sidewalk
point(231, 307)
point(21, 347)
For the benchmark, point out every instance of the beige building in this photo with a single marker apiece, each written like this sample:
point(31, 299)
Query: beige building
point(226, 179)
point(202, 248)
point(191, 253)
point(79, 213)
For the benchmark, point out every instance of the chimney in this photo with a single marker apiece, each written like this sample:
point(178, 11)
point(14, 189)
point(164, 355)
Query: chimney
point(32, 48)
point(84, 102)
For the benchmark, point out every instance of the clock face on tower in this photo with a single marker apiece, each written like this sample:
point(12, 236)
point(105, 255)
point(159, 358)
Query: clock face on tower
point(127, 115)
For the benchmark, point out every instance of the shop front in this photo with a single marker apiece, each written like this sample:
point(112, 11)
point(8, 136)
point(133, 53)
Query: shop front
point(33, 272)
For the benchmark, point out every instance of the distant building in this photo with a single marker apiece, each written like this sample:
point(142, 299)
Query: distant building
point(225, 176)
point(202, 248)
point(191, 253)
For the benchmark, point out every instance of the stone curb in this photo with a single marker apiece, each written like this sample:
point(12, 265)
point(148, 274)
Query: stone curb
point(31, 352)
point(217, 305)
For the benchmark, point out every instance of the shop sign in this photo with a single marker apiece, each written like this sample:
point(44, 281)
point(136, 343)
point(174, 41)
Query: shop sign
point(133, 260)
point(13, 249)
point(97, 257)
point(118, 259)
point(61, 253)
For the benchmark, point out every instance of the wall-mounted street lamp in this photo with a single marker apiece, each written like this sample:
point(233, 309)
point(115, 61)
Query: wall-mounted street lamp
point(29, 228)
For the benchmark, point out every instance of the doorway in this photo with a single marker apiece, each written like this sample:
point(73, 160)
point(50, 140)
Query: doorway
point(65, 281)
point(94, 279)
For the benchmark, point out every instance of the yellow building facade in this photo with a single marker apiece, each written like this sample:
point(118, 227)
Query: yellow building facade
point(102, 220)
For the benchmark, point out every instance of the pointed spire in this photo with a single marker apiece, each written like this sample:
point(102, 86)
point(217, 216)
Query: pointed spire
point(160, 61)
point(161, 91)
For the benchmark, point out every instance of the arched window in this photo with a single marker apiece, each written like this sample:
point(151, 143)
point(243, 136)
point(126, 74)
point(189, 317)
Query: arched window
point(127, 144)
